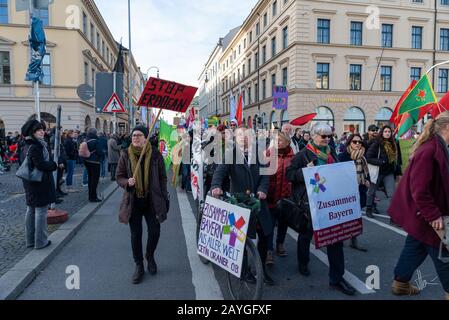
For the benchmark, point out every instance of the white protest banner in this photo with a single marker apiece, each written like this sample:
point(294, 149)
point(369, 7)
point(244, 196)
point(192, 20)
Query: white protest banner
point(334, 201)
point(222, 234)
point(196, 168)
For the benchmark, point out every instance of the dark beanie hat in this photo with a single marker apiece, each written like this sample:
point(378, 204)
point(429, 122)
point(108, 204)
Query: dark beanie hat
point(30, 127)
point(142, 129)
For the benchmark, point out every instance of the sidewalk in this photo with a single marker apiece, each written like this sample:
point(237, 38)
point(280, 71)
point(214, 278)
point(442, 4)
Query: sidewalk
point(102, 252)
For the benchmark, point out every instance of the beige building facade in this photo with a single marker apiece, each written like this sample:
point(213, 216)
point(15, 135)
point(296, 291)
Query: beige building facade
point(79, 45)
point(349, 61)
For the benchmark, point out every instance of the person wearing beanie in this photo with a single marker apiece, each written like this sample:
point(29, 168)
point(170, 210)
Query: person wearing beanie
point(145, 196)
point(93, 163)
point(38, 194)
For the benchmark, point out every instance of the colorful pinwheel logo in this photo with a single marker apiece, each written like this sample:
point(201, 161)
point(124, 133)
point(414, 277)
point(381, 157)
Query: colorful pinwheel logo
point(234, 229)
point(318, 182)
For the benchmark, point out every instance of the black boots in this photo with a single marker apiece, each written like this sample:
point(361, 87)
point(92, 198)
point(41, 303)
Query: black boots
point(152, 267)
point(138, 274)
point(304, 269)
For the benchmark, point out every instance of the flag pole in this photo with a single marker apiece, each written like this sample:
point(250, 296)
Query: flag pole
point(146, 143)
point(438, 64)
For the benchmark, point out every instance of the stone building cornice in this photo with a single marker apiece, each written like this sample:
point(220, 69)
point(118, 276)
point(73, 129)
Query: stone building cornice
point(5, 41)
point(94, 60)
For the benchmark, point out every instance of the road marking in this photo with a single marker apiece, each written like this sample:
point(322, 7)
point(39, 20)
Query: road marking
point(358, 284)
point(203, 277)
point(399, 231)
point(13, 197)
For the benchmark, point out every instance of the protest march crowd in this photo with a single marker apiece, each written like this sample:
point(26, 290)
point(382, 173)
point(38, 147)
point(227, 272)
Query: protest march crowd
point(417, 193)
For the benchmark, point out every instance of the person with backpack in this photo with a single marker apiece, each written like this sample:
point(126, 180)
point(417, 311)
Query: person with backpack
point(93, 155)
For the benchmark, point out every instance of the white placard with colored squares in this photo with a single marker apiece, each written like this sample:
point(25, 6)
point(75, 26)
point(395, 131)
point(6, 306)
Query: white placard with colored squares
point(222, 234)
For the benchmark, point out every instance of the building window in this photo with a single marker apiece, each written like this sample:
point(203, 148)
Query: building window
point(444, 39)
point(444, 2)
point(265, 20)
point(323, 31)
point(93, 78)
point(443, 80)
point(42, 13)
point(356, 33)
point(92, 33)
point(5, 68)
point(249, 66)
point(284, 76)
point(98, 42)
point(416, 37)
point(415, 73)
point(285, 38)
point(273, 47)
point(257, 28)
point(256, 92)
point(84, 23)
point(86, 73)
point(322, 75)
point(273, 83)
point(244, 43)
point(385, 78)
point(275, 8)
point(355, 77)
point(102, 48)
point(264, 54)
point(46, 69)
point(243, 71)
point(387, 35)
point(249, 95)
point(3, 11)
point(264, 89)
point(417, 1)
point(256, 60)
point(250, 37)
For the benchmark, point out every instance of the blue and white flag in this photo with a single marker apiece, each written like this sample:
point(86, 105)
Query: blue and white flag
point(233, 108)
point(37, 45)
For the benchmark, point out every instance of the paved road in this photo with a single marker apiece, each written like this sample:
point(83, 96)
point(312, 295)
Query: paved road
point(12, 215)
point(102, 252)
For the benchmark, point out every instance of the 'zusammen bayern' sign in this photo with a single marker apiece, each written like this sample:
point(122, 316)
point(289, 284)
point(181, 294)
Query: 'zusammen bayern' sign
point(168, 95)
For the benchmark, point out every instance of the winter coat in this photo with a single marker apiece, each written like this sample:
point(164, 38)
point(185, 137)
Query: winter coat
point(71, 149)
point(374, 157)
point(422, 194)
point(280, 187)
point(246, 177)
point(113, 151)
point(96, 150)
point(40, 194)
point(158, 198)
point(103, 145)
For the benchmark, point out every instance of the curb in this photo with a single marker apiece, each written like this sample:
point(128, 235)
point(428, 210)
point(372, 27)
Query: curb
point(19, 277)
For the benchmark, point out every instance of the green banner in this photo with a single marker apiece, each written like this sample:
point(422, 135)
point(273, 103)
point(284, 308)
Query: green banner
point(167, 140)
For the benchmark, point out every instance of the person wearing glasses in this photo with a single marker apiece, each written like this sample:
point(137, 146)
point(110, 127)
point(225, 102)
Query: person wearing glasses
point(317, 153)
point(145, 196)
point(233, 125)
point(371, 135)
point(355, 151)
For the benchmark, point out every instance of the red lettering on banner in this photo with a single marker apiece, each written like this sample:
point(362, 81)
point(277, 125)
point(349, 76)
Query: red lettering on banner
point(168, 95)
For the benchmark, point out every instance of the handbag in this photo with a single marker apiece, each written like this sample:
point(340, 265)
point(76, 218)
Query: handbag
point(25, 173)
point(374, 171)
point(295, 216)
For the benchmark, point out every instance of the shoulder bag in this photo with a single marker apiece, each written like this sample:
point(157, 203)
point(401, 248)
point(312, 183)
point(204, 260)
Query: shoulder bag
point(25, 173)
point(374, 170)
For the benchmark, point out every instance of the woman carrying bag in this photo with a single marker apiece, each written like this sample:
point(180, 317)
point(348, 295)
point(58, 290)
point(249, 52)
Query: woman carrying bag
point(355, 151)
point(145, 196)
point(38, 194)
point(384, 159)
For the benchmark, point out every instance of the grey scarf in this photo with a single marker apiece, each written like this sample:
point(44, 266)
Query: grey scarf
point(44, 144)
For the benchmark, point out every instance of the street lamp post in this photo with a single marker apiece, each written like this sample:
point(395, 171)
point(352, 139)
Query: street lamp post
point(216, 90)
point(147, 74)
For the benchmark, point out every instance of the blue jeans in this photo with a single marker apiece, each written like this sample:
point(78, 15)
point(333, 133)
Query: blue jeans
point(36, 227)
point(104, 167)
point(70, 170)
point(413, 255)
point(85, 176)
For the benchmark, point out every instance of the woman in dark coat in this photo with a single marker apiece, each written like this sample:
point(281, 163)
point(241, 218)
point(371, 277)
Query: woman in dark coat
point(246, 176)
point(93, 163)
point(354, 150)
point(145, 196)
point(38, 194)
point(317, 152)
point(385, 153)
point(420, 203)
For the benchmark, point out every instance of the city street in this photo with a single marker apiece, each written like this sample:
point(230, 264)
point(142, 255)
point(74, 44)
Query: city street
point(102, 252)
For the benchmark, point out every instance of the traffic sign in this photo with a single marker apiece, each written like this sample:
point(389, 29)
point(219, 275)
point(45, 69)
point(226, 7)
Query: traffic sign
point(114, 105)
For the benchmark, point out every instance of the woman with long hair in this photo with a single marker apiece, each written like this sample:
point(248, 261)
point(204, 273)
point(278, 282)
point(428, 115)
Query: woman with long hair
point(384, 152)
point(355, 151)
point(420, 204)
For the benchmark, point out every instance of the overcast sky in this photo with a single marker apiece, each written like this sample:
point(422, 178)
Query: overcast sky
point(177, 36)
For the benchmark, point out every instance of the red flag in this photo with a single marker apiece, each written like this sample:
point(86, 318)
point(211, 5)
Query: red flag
point(303, 119)
point(441, 106)
point(239, 111)
point(394, 117)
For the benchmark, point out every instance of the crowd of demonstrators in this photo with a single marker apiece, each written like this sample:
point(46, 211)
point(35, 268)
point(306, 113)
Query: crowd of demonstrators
point(145, 196)
point(420, 204)
point(384, 152)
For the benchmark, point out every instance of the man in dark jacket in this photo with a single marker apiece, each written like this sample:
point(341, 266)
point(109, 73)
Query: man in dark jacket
point(245, 175)
point(93, 163)
point(103, 144)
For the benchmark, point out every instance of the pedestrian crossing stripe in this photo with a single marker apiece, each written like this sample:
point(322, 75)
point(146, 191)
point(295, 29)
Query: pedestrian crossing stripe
point(114, 105)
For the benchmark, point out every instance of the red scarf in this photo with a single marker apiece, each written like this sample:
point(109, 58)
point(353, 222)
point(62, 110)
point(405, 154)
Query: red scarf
point(322, 157)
